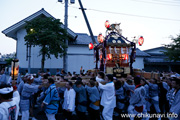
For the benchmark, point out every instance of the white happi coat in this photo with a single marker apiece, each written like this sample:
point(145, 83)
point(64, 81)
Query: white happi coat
point(69, 100)
point(175, 109)
point(10, 110)
point(136, 100)
point(108, 97)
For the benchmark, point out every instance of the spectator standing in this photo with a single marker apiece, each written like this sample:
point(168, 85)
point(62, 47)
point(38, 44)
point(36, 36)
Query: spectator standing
point(69, 101)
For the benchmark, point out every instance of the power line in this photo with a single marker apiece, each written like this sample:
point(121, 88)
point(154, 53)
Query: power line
point(132, 15)
point(175, 2)
point(155, 3)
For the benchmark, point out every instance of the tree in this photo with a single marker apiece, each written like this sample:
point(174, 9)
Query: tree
point(8, 61)
point(173, 49)
point(47, 33)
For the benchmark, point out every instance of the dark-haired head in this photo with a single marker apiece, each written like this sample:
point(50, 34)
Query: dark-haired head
point(175, 83)
point(92, 83)
point(79, 79)
point(109, 77)
point(73, 78)
point(69, 73)
point(50, 81)
point(45, 76)
point(78, 82)
point(118, 84)
point(93, 79)
point(66, 80)
point(101, 75)
point(137, 80)
point(58, 75)
point(69, 85)
point(130, 82)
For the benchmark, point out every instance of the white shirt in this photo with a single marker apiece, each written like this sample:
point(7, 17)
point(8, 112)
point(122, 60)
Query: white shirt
point(99, 79)
point(69, 100)
point(108, 98)
point(10, 110)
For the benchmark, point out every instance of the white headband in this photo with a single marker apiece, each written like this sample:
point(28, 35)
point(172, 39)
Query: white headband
point(6, 90)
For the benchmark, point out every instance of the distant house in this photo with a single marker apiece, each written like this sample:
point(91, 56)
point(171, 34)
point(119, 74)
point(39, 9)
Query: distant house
point(78, 51)
point(140, 56)
point(159, 62)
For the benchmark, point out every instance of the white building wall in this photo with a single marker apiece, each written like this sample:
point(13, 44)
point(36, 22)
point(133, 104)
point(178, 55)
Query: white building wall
point(78, 55)
point(139, 63)
point(21, 49)
point(80, 49)
point(76, 61)
point(35, 58)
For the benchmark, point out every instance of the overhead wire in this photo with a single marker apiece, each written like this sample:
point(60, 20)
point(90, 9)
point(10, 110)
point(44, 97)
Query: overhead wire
point(156, 3)
point(165, 1)
point(132, 15)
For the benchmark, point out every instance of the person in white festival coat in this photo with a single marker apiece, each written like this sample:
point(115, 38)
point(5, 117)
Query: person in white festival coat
point(108, 98)
point(9, 99)
point(69, 101)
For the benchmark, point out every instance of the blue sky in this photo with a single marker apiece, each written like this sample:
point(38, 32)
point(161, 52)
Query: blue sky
point(155, 31)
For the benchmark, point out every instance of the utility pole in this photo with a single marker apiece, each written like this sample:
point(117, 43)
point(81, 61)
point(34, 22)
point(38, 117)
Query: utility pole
point(65, 57)
point(89, 28)
point(29, 60)
point(87, 22)
point(28, 57)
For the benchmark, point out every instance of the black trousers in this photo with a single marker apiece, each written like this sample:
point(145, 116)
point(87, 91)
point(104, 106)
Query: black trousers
point(94, 114)
point(67, 115)
point(81, 115)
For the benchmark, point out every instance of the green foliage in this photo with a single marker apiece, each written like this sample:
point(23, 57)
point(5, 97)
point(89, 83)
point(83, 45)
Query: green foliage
point(8, 61)
point(46, 33)
point(173, 49)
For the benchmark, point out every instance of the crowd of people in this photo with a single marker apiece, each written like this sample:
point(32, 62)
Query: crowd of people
point(102, 96)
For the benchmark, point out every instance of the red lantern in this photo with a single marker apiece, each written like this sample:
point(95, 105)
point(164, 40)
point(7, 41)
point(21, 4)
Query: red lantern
point(109, 56)
point(141, 41)
point(107, 25)
point(100, 56)
point(100, 38)
point(124, 56)
point(91, 46)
